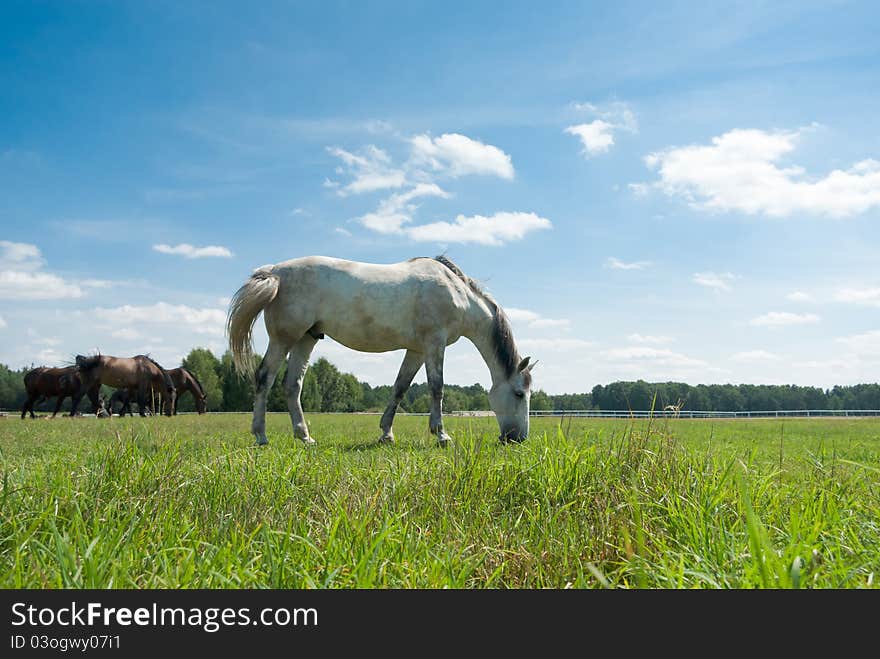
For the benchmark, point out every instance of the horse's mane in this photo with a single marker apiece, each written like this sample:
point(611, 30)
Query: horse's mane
point(87, 363)
point(169, 383)
point(502, 334)
point(199, 384)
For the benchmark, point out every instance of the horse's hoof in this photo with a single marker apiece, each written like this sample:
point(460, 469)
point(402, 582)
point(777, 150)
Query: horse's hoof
point(261, 441)
point(444, 440)
point(387, 438)
point(308, 441)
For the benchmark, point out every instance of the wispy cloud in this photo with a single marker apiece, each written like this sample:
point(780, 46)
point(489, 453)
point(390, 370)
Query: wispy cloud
point(597, 136)
point(371, 170)
point(754, 356)
point(715, 281)
point(2, 323)
point(864, 296)
point(534, 320)
point(740, 171)
point(496, 229)
point(448, 157)
point(648, 338)
point(397, 210)
point(185, 318)
point(784, 318)
point(190, 252)
point(799, 296)
point(658, 356)
point(459, 155)
point(616, 264)
point(22, 277)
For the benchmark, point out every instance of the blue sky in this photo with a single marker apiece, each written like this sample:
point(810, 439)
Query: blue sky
point(676, 191)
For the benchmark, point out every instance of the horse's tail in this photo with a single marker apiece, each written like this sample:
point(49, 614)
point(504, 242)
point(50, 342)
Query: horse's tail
point(247, 303)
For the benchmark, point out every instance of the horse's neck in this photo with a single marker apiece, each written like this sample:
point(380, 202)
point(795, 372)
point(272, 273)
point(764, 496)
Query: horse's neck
point(480, 333)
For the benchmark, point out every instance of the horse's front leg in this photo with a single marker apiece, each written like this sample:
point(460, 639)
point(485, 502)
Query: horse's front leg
point(58, 404)
point(296, 372)
point(264, 379)
point(412, 362)
point(434, 371)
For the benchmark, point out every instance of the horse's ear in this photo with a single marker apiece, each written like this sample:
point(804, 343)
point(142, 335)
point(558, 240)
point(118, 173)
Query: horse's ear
point(523, 365)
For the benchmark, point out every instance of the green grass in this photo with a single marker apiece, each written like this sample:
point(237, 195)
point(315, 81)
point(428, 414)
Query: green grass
point(188, 502)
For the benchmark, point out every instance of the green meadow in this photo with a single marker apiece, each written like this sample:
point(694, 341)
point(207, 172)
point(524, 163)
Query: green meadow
point(189, 502)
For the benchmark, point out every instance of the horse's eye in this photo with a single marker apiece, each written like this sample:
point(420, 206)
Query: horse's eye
point(520, 394)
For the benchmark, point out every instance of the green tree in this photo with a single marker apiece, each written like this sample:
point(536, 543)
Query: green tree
point(238, 392)
point(540, 401)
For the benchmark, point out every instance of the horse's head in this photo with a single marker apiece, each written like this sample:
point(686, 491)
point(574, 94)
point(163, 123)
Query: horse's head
point(201, 404)
point(509, 399)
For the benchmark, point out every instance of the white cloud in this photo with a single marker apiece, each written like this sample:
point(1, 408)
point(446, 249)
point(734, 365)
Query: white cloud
point(494, 230)
point(126, 333)
point(799, 296)
point(397, 210)
point(740, 171)
point(20, 256)
point(554, 345)
point(754, 356)
point(188, 251)
point(2, 323)
point(647, 338)
point(187, 319)
point(617, 264)
point(597, 136)
point(534, 320)
point(784, 318)
point(715, 281)
point(341, 231)
point(16, 285)
point(866, 345)
point(21, 277)
point(866, 296)
point(371, 171)
point(459, 155)
point(657, 356)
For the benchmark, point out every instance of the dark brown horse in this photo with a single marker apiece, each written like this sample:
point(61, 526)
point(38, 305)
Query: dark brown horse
point(43, 383)
point(140, 373)
point(185, 381)
point(123, 397)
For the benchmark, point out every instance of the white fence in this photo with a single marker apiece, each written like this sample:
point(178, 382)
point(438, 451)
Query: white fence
point(698, 414)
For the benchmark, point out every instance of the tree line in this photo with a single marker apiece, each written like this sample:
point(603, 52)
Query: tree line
point(327, 389)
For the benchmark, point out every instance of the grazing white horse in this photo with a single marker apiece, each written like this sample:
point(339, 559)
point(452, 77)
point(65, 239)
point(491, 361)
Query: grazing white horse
point(421, 305)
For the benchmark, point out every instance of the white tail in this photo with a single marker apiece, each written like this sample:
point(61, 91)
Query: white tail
point(247, 303)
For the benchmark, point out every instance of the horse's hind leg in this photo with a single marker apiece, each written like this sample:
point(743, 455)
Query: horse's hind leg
point(265, 377)
point(411, 364)
point(58, 404)
point(296, 371)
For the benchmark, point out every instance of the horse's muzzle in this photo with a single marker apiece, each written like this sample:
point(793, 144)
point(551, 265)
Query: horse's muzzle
point(512, 436)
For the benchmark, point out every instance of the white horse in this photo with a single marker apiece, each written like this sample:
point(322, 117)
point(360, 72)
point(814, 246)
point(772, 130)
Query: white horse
point(421, 305)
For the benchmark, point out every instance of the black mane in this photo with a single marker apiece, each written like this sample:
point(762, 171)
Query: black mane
point(169, 383)
point(199, 384)
point(502, 334)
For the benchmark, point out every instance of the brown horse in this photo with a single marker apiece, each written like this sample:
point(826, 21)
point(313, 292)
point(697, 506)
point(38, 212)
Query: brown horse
point(43, 383)
point(185, 381)
point(140, 373)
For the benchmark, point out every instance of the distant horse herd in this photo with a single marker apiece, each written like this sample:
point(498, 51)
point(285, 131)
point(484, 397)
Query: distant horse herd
point(139, 378)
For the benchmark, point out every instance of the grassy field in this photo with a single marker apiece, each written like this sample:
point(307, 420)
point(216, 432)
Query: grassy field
point(188, 502)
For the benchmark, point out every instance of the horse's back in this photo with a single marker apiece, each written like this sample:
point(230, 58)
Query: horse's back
point(367, 306)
